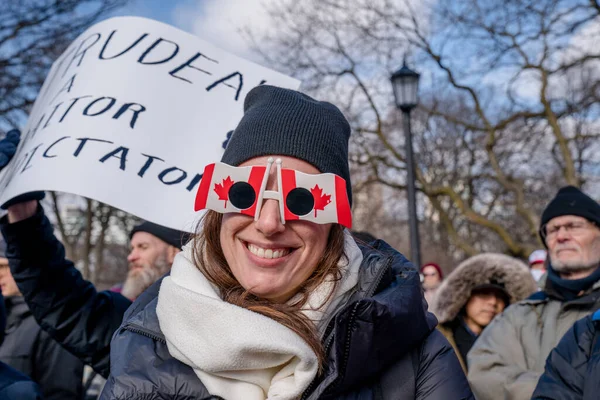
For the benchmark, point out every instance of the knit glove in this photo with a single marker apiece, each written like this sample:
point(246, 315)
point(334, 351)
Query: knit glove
point(8, 147)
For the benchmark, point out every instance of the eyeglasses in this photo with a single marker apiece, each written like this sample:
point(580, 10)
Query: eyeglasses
point(549, 232)
point(318, 198)
point(430, 274)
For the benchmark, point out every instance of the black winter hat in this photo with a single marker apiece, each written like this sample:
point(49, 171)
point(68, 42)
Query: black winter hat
point(285, 122)
point(170, 236)
point(571, 201)
point(493, 285)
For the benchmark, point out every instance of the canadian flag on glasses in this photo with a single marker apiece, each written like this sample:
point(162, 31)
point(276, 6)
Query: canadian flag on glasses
point(317, 198)
point(224, 188)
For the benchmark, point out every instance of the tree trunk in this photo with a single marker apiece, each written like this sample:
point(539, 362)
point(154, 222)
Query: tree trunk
point(105, 213)
point(87, 246)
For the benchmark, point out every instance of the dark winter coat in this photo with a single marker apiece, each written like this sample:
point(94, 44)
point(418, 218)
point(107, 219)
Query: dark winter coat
point(66, 306)
point(381, 345)
point(31, 351)
point(13, 384)
point(16, 386)
point(454, 293)
point(573, 367)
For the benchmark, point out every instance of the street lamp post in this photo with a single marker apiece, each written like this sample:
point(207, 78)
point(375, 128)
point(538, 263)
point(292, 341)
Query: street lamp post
point(405, 83)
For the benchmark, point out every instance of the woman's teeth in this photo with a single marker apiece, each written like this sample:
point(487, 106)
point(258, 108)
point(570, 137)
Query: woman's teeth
point(267, 253)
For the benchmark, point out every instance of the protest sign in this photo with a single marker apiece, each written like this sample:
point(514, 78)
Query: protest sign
point(130, 114)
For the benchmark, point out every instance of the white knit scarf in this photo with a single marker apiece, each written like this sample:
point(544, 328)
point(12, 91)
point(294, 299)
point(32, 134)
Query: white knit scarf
point(237, 353)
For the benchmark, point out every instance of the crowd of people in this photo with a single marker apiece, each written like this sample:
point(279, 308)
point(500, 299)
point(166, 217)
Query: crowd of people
point(272, 298)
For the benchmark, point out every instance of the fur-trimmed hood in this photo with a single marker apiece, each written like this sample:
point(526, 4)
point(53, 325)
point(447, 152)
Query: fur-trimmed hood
point(455, 291)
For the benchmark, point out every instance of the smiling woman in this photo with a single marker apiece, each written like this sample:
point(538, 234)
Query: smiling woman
point(273, 298)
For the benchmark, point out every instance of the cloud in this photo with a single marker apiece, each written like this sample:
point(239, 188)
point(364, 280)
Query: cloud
point(220, 21)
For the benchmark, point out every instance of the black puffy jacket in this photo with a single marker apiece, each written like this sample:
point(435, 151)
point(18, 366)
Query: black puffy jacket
point(573, 368)
point(381, 345)
point(31, 351)
point(65, 305)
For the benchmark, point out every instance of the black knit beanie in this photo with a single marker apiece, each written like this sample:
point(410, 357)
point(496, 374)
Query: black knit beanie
point(170, 236)
point(284, 122)
point(571, 201)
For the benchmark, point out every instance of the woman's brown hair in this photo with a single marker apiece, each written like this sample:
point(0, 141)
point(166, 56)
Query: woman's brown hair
point(209, 258)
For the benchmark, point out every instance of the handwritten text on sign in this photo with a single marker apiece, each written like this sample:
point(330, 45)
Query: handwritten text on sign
point(130, 114)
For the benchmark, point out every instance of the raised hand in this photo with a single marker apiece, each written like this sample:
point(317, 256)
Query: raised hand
point(24, 205)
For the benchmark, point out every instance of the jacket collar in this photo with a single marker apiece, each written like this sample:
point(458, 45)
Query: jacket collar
point(592, 295)
point(372, 331)
point(555, 292)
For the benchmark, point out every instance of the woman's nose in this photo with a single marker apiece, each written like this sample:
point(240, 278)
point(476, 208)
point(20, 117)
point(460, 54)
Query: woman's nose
point(269, 220)
point(493, 300)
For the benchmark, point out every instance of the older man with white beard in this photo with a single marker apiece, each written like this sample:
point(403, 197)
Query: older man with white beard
point(153, 249)
point(508, 359)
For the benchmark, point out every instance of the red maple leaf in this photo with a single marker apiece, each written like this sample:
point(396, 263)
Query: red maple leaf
point(223, 190)
point(321, 200)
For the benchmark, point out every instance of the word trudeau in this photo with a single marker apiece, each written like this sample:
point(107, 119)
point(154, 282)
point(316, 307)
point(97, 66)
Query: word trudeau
point(145, 165)
point(180, 63)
